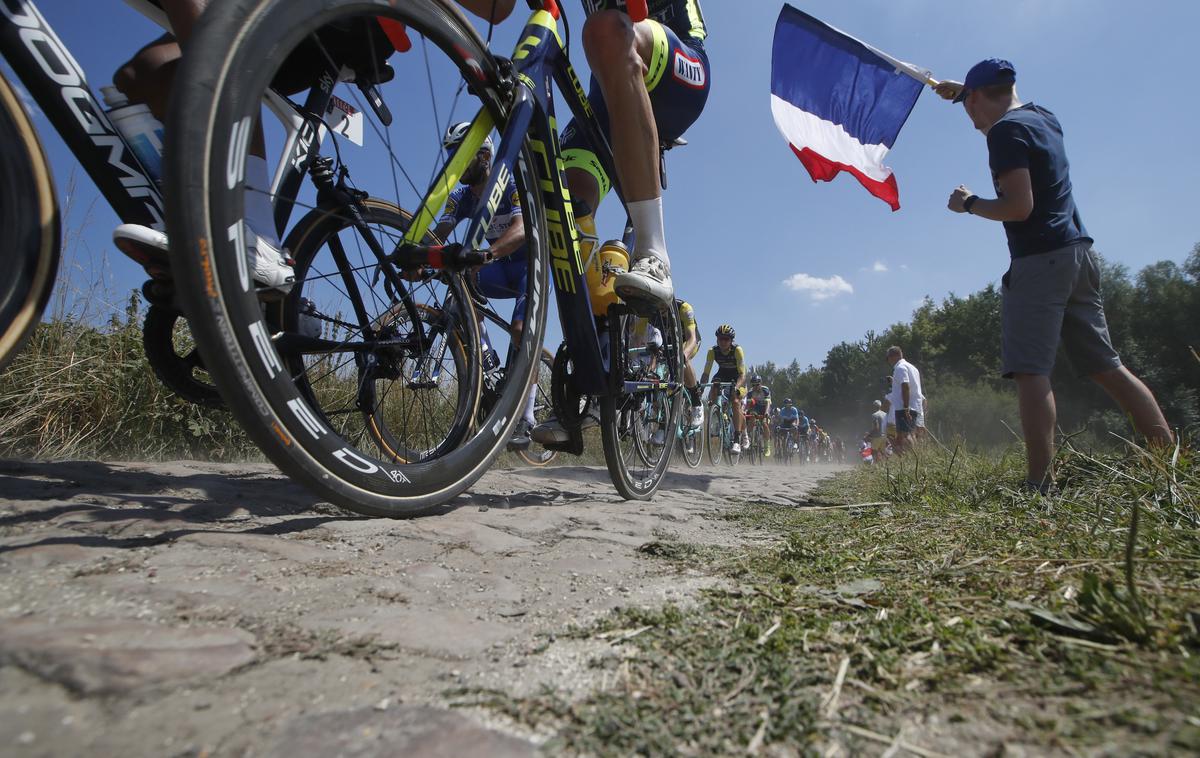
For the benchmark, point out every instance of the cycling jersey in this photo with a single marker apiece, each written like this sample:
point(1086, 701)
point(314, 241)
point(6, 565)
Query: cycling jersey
point(789, 416)
point(730, 364)
point(757, 398)
point(463, 203)
point(687, 318)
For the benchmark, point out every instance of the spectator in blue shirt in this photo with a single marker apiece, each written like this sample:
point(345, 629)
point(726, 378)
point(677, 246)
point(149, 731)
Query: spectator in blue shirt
point(1051, 293)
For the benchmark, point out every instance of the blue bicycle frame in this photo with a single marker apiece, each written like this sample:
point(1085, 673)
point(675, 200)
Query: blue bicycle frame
point(539, 60)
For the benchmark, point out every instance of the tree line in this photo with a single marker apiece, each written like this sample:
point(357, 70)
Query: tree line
point(1154, 321)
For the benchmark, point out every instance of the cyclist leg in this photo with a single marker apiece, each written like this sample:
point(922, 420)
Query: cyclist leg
point(632, 63)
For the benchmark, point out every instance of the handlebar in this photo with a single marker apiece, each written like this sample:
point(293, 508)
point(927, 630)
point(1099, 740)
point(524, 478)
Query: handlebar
point(452, 257)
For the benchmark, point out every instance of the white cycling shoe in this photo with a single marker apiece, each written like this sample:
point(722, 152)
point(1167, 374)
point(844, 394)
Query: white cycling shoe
point(648, 279)
point(271, 266)
point(736, 449)
point(697, 417)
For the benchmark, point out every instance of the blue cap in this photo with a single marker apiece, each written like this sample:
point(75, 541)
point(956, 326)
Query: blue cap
point(986, 73)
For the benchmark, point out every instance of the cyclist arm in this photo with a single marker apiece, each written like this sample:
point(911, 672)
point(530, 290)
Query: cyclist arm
point(741, 367)
point(708, 362)
point(511, 240)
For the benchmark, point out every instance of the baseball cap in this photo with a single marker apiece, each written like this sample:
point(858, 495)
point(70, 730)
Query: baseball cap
point(986, 73)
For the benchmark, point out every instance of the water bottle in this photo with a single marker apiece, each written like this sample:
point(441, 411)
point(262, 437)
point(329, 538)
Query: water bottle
point(140, 129)
point(491, 359)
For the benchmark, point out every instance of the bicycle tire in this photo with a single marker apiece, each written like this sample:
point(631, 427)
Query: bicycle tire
point(619, 413)
point(30, 228)
point(233, 58)
point(691, 436)
point(535, 454)
point(712, 433)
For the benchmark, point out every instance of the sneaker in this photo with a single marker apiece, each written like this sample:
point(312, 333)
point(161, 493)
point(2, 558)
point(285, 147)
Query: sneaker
point(648, 279)
point(745, 440)
point(697, 417)
point(736, 449)
point(145, 245)
point(553, 432)
point(272, 267)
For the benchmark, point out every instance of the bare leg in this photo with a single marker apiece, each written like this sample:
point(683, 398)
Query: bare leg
point(1038, 416)
point(1135, 399)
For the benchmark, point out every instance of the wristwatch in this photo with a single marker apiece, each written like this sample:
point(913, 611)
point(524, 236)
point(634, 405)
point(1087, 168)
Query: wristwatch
point(969, 201)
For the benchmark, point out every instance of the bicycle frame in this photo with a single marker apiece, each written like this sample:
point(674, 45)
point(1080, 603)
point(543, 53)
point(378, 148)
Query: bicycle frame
point(59, 86)
point(538, 60)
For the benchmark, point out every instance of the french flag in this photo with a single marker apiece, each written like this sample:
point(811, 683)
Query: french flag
point(838, 102)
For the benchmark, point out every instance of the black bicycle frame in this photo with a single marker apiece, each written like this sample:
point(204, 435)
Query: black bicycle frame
point(58, 85)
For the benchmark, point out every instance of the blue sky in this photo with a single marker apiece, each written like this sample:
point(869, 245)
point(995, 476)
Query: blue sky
point(742, 215)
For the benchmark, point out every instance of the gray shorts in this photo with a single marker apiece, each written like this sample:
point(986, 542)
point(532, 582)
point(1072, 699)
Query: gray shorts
point(1051, 297)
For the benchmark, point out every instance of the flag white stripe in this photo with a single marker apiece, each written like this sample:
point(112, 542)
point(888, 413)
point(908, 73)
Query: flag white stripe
point(829, 140)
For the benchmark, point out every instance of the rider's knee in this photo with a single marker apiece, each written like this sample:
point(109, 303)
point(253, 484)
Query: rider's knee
point(609, 36)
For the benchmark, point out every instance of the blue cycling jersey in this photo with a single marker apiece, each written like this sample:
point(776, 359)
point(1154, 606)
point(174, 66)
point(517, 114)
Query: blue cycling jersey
point(463, 203)
point(789, 414)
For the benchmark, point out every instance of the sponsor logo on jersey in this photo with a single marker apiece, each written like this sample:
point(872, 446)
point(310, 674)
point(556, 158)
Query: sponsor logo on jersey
point(689, 71)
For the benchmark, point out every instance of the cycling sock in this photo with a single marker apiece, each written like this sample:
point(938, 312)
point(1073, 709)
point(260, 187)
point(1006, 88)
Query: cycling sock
point(649, 238)
point(260, 215)
point(529, 406)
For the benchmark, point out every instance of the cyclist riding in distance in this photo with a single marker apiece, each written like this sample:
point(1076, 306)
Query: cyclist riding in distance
point(504, 277)
point(731, 370)
point(146, 79)
point(691, 348)
point(758, 401)
point(789, 421)
point(650, 81)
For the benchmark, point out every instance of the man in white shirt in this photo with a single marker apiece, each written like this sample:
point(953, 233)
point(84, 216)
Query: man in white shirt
point(905, 397)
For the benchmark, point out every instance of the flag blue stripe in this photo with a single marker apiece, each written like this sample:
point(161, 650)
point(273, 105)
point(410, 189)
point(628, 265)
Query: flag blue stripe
point(838, 79)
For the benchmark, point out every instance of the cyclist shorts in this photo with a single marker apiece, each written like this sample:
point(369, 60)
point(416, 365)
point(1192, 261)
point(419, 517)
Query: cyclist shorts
point(504, 279)
point(678, 82)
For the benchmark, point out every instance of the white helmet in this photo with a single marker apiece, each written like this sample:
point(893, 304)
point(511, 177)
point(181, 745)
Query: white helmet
point(455, 135)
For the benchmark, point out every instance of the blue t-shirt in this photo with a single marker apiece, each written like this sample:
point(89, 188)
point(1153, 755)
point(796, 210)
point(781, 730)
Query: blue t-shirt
point(1030, 137)
point(789, 415)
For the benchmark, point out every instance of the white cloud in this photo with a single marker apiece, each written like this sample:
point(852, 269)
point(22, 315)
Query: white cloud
point(879, 267)
point(818, 289)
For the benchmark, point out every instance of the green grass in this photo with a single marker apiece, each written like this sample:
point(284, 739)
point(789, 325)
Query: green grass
point(1013, 618)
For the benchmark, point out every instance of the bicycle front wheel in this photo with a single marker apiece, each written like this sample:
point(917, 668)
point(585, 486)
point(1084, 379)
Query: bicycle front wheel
point(691, 437)
point(638, 422)
point(29, 226)
point(367, 392)
point(543, 410)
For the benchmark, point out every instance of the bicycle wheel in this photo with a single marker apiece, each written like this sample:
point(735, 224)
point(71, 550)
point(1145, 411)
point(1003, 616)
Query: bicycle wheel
point(391, 367)
point(691, 438)
point(636, 426)
point(29, 226)
point(235, 56)
point(713, 440)
point(543, 410)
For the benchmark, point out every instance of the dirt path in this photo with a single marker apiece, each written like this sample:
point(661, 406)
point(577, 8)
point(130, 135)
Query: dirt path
point(204, 609)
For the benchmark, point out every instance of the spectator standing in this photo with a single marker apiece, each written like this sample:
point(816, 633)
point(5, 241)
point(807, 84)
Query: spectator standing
point(878, 431)
point(1051, 293)
point(906, 391)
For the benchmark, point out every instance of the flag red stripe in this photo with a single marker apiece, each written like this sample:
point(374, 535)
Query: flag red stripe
point(822, 169)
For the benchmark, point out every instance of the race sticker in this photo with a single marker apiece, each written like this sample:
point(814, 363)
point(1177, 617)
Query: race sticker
point(344, 119)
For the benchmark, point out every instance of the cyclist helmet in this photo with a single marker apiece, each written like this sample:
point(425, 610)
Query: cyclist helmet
point(787, 401)
point(455, 135)
point(756, 379)
point(725, 330)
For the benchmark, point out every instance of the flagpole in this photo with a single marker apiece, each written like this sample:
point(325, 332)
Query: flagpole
point(924, 76)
